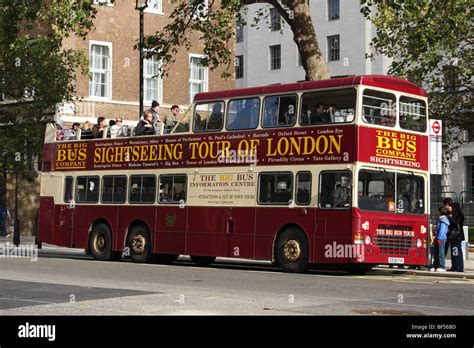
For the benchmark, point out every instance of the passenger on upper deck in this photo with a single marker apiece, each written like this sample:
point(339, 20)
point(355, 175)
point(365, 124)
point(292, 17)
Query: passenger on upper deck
point(171, 119)
point(155, 109)
point(320, 115)
point(98, 129)
point(215, 118)
point(145, 126)
point(116, 129)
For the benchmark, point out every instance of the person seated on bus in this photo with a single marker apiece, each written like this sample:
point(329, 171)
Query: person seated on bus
point(215, 118)
point(99, 128)
point(282, 194)
point(389, 118)
point(247, 117)
point(59, 126)
point(285, 118)
point(145, 126)
point(320, 115)
point(271, 114)
point(342, 194)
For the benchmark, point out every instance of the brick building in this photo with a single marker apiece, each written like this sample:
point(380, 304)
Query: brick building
point(113, 87)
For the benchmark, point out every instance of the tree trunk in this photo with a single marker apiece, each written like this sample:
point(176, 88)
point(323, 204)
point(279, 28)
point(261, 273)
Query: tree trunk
point(305, 38)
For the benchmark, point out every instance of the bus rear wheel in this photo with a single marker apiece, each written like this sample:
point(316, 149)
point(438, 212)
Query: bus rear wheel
point(139, 244)
point(292, 251)
point(203, 260)
point(100, 242)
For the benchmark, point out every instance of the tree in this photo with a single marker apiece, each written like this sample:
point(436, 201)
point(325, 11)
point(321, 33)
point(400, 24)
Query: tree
point(431, 42)
point(36, 72)
point(213, 23)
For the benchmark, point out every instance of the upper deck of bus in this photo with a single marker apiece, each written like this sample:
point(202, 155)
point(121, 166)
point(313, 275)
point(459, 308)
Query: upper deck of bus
point(356, 133)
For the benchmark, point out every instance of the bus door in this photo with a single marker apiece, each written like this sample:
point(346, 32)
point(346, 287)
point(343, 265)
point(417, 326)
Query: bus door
point(334, 213)
point(172, 215)
point(66, 213)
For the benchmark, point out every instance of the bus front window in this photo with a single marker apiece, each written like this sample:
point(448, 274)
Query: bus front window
point(412, 114)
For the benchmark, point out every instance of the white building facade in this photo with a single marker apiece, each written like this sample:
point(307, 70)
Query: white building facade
point(266, 54)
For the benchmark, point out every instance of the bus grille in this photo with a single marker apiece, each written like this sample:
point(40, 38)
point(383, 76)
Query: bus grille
point(393, 244)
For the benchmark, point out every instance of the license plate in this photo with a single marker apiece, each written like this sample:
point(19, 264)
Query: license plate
point(396, 260)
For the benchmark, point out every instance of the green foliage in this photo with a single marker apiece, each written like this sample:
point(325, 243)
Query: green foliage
point(36, 71)
point(431, 42)
point(214, 27)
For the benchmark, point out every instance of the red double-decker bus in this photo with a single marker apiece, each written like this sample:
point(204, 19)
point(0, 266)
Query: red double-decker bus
point(320, 172)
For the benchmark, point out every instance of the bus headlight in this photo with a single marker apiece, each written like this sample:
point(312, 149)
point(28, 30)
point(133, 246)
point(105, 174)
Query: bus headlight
point(367, 240)
point(419, 243)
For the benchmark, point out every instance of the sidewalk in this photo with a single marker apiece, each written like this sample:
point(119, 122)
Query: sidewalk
point(49, 249)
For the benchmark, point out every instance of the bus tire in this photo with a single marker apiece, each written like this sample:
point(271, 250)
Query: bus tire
point(292, 250)
point(203, 261)
point(165, 258)
point(100, 242)
point(139, 243)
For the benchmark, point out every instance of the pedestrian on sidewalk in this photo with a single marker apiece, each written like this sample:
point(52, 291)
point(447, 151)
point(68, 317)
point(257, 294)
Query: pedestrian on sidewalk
point(440, 240)
point(4, 217)
point(456, 236)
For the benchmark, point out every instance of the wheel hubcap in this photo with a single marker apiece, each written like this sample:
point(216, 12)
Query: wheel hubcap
point(291, 250)
point(100, 243)
point(138, 244)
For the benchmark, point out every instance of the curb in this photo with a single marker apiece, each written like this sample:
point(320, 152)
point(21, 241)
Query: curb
point(459, 275)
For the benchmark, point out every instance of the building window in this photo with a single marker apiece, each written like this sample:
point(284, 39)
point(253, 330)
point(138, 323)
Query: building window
point(100, 70)
point(239, 67)
point(239, 31)
point(275, 20)
point(200, 9)
point(198, 76)
point(451, 79)
point(333, 48)
point(154, 6)
point(98, 2)
point(152, 81)
point(275, 57)
point(333, 10)
point(470, 174)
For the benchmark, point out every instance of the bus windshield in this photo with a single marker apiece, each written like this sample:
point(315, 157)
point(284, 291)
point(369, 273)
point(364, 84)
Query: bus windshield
point(384, 191)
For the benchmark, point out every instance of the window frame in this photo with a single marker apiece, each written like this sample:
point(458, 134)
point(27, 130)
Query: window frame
point(272, 58)
point(154, 10)
point(320, 183)
point(72, 189)
point(113, 187)
point(310, 187)
point(205, 82)
point(239, 67)
point(226, 113)
point(109, 75)
point(291, 200)
point(141, 182)
point(362, 106)
point(207, 130)
point(185, 188)
point(275, 20)
point(158, 77)
point(262, 114)
point(425, 115)
point(334, 10)
point(88, 178)
point(333, 51)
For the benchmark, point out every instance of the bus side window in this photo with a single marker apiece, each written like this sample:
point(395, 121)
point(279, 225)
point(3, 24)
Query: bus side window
point(172, 189)
point(303, 188)
point(335, 189)
point(243, 114)
point(68, 189)
point(279, 111)
point(275, 188)
point(142, 189)
point(87, 189)
point(209, 116)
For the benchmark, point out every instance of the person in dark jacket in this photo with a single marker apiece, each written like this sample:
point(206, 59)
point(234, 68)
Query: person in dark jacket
point(455, 243)
point(145, 126)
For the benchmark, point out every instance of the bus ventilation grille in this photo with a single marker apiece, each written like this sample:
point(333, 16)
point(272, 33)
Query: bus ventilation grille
point(394, 244)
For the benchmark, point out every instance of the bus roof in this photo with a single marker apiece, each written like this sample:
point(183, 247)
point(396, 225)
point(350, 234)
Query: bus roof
point(381, 81)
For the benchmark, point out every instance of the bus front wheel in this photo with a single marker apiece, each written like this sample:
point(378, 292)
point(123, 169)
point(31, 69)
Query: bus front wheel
point(139, 243)
point(100, 242)
point(292, 251)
